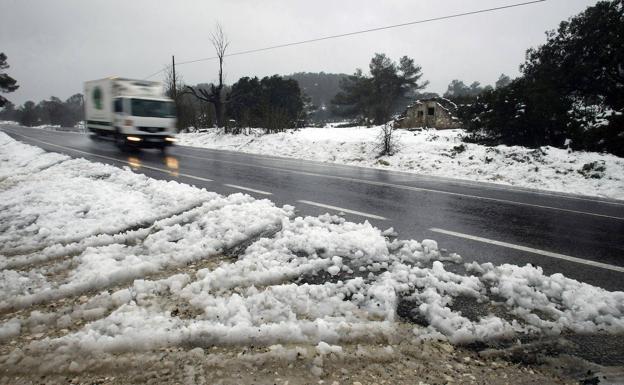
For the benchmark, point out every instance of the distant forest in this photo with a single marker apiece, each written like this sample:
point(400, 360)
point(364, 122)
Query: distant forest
point(321, 88)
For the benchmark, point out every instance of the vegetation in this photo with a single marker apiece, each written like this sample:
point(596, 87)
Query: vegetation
point(53, 111)
point(274, 103)
point(571, 90)
point(374, 98)
point(460, 93)
point(321, 88)
point(7, 83)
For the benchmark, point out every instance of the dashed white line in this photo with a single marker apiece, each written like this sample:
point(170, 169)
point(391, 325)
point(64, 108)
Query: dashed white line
point(362, 214)
point(247, 189)
point(530, 250)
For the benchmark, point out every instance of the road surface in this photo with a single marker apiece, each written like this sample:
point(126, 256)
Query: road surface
point(581, 237)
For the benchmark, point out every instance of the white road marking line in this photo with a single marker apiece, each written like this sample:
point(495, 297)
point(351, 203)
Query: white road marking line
point(384, 184)
point(132, 164)
point(247, 189)
point(404, 187)
point(531, 250)
point(373, 216)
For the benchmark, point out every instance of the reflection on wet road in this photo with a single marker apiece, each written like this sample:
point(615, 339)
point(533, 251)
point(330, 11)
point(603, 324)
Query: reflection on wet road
point(171, 163)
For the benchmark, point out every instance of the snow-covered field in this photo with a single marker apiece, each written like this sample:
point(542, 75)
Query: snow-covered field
point(437, 153)
point(103, 269)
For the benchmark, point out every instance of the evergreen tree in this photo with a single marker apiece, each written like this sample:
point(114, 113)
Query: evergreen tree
point(274, 103)
point(503, 81)
point(458, 92)
point(74, 106)
point(374, 98)
point(28, 114)
point(7, 83)
point(8, 112)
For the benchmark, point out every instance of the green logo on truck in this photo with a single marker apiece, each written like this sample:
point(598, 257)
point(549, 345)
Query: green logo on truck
point(97, 98)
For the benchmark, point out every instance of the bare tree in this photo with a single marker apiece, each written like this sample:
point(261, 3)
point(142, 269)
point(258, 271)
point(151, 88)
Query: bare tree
point(386, 142)
point(174, 85)
point(215, 95)
point(186, 109)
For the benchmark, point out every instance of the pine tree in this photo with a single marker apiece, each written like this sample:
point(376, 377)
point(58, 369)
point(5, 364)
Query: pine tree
point(375, 97)
point(7, 83)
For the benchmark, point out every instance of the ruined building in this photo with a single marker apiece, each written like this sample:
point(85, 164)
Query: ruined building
point(436, 113)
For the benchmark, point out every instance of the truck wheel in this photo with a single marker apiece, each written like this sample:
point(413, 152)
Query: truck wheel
point(120, 141)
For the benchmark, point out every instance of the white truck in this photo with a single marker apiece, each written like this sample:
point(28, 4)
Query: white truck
point(132, 112)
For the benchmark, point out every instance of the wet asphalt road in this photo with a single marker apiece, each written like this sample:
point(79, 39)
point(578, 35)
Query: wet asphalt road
point(591, 229)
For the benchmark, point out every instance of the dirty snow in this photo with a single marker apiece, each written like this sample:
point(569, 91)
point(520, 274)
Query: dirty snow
point(435, 153)
point(101, 261)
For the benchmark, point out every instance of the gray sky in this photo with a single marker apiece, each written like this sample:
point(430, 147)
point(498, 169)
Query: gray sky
point(53, 46)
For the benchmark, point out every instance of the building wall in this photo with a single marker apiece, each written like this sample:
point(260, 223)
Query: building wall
point(429, 114)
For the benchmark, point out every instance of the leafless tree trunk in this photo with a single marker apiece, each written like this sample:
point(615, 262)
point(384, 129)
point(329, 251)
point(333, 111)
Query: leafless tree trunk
point(174, 88)
point(387, 143)
point(220, 44)
point(215, 95)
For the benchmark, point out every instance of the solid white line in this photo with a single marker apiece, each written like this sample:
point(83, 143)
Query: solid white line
point(131, 164)
point(531, 250)
point(248, 189)
point(343, 210)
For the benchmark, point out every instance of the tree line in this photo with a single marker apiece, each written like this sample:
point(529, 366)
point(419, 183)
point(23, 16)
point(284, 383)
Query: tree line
point(53, 111)
point(274, 103)
point(570, 92)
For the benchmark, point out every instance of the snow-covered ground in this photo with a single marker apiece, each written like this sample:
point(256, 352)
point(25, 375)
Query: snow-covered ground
point(98, 262)
point(437, 153)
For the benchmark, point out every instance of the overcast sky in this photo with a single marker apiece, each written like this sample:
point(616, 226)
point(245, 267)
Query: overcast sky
point(53, 46)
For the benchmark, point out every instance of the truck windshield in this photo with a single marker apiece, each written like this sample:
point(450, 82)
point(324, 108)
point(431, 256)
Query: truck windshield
point(153, 108)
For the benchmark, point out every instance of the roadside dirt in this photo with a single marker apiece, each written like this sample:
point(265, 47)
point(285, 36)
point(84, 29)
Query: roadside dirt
point(400, 360)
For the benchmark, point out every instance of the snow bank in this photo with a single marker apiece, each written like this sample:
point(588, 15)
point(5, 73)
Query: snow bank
point(436, 153)
point(150, 261)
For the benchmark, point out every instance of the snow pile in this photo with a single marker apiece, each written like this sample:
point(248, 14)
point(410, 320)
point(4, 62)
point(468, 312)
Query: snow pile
point(49, 198)
point(137, 264)
point(432, 152)
point(564, 303)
